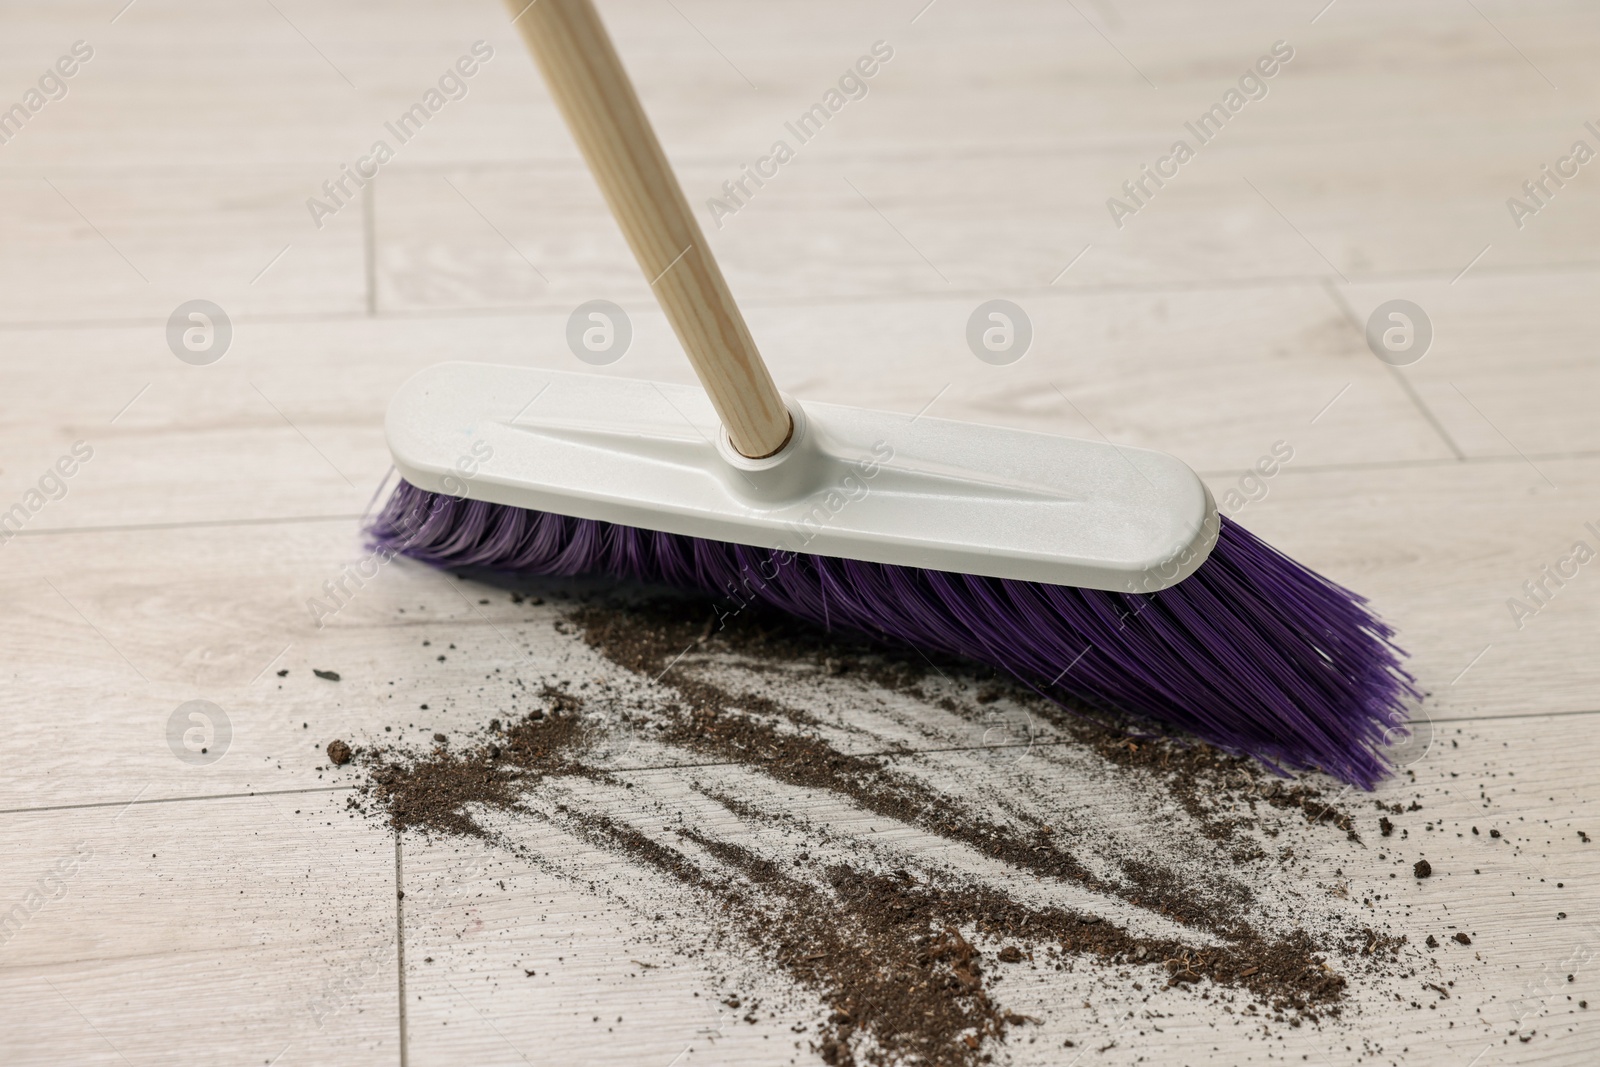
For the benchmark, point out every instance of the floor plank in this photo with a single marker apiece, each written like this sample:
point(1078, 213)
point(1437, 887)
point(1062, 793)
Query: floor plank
point(260, 927)
point(1441, 551)
point(110, 247)
point(1225, 315)
point(289, 422)
point(466, 902)
point(1503, 343)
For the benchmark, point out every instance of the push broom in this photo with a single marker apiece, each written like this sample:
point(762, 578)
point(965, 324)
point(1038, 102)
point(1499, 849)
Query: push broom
point(1087, 571)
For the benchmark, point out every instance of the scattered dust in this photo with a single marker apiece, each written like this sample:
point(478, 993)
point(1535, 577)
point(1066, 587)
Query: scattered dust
point(903, 956)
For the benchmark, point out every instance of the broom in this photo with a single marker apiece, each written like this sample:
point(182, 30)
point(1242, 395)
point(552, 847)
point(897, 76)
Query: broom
point(1087, 571)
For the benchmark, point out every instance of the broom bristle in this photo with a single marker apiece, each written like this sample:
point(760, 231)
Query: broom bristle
point(1253, 652)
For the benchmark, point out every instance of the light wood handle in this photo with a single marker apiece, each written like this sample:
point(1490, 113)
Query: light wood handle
point(580, 65)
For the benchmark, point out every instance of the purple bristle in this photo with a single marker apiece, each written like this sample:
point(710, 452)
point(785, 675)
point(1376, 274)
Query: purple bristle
point(1253, 652)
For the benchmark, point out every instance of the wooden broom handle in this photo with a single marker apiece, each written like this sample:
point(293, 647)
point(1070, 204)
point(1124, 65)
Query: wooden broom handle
point(580, 65)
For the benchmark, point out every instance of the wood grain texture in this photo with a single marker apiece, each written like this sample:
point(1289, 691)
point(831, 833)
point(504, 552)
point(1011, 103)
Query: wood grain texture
point(296, 408)
point(618, 993)
point(245, 929)
point(1219, 319)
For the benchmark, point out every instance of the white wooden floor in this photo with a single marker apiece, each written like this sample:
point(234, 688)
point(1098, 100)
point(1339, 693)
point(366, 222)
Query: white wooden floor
point(231, 912)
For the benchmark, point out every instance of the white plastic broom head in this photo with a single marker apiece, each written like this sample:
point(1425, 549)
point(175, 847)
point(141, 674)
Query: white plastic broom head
point(850, 483)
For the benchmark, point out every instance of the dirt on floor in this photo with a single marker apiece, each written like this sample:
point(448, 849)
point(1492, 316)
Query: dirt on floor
point(904, 960)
